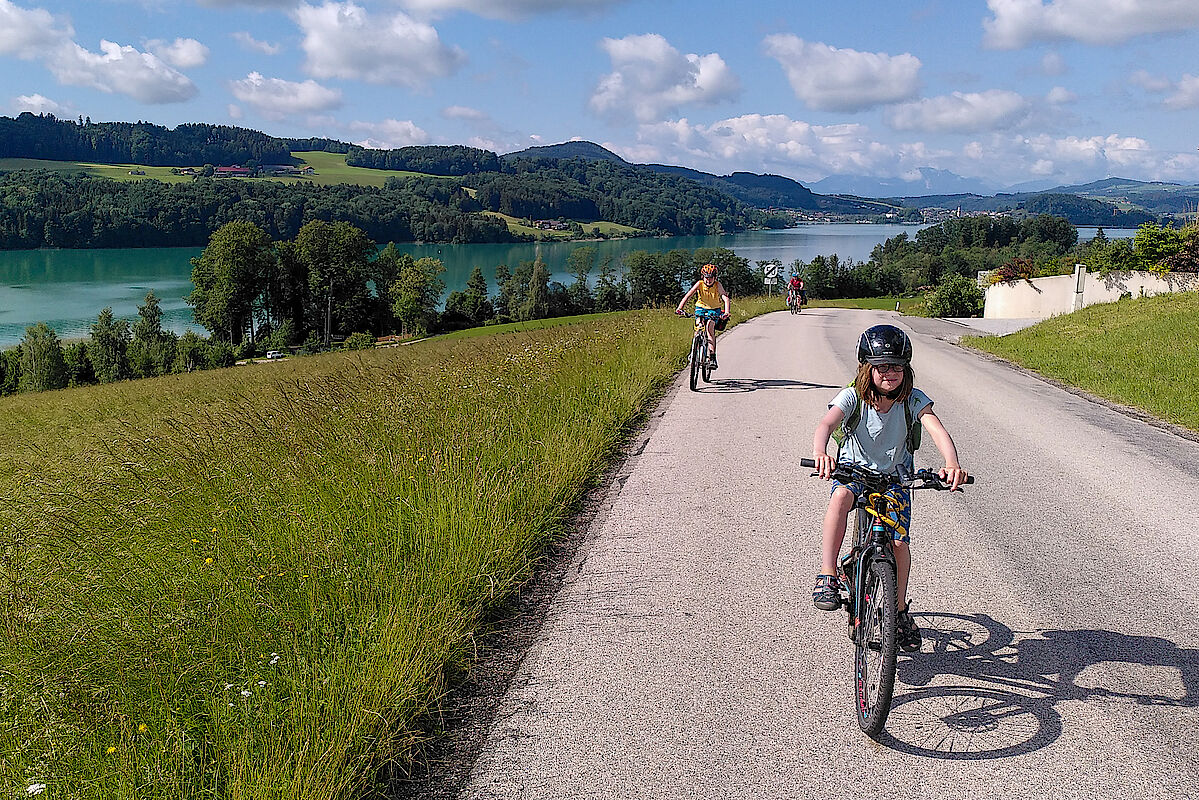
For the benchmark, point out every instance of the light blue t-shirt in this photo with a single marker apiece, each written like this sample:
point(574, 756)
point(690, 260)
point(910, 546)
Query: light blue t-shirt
point(880, 441)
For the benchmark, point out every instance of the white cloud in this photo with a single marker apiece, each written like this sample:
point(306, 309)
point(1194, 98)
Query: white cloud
point(465, 113)
point(764, 143)
point(960, 112)
point(343, 41)
point(1060, 95)
point(832, 79)
point(1186, 93)
point(29, 33)
point(1150, 83)
point(38, 104)
point(505, 9)
point(277, 98)
point(390, 134)
point(1017, 23)
point(235, 111)
point(124, 69)
point(250, 43)
point(1052, 63)
point(181, 53)
point(652, 80)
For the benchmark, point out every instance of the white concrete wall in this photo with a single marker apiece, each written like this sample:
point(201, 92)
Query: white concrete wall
point(1046, 297)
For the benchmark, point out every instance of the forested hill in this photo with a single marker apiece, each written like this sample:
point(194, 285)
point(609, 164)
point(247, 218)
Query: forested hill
point(45, 136)
point(1077, 209)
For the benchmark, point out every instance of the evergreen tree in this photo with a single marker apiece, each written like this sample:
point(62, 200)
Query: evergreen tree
point(152, 350)
point(580, 262)
point(537, 299)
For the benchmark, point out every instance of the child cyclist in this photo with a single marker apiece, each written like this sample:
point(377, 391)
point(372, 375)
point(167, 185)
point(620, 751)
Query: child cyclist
point(711, 304)
point(879, 441)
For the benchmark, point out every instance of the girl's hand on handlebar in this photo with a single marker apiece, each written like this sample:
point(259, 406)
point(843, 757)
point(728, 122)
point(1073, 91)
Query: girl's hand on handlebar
point(825, 464)
point(725, 315)
point(954, 476)
point(679, 311)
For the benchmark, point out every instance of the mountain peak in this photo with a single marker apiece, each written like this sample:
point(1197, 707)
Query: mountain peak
point(575, 149)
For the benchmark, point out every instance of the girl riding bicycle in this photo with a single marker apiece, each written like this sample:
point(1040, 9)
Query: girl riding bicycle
point(711, 305)
point(882, 406)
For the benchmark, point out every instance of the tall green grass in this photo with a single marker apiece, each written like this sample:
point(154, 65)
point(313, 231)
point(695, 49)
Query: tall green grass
point(1139, 352)
point(254, 583)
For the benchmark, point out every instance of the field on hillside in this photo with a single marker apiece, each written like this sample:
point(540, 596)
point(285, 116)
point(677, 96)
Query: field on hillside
point(330, 169)
point(256, 582)
point(1138, 352)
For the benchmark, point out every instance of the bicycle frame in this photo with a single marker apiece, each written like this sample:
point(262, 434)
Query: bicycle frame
point(876, 545)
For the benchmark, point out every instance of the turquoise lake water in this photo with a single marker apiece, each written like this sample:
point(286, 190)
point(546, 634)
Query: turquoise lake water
point(66, 289)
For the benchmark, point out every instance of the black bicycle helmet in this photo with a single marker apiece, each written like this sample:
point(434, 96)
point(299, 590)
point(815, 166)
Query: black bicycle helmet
point(884, 344)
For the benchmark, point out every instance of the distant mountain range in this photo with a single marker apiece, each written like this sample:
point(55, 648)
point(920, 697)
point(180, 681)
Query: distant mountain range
point(1116, 202)
point(759, 191)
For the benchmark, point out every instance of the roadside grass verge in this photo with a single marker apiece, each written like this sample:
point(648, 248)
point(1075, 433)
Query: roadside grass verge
point(1138, 352)
point(256, 582)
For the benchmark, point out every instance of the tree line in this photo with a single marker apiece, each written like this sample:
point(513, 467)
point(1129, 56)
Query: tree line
point(45, 136)
point(331, 284)
point(51, 209)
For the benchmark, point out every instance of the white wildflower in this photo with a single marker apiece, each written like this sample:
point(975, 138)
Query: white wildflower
point(245, 692)
point(36, 789)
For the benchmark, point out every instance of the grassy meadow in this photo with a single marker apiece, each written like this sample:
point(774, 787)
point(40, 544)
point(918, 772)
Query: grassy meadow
point(1137, 352)
point(256, 582)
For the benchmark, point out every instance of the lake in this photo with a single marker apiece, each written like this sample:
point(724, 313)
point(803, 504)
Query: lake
point(66, 289)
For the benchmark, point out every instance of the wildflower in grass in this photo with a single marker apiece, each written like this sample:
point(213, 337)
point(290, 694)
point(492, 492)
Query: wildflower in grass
point(261, 684)
point(141, 728)
point(208, 560)
point(274, 659)
point(36, 789)
point(195, 541)
point(260, 577)
point(110, 750)
point(246, 692)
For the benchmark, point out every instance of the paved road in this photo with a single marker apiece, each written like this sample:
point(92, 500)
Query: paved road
point(683, 658)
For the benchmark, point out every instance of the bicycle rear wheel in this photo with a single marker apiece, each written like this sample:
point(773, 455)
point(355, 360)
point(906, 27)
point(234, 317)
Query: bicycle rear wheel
point(697, 354)
point(874, 653)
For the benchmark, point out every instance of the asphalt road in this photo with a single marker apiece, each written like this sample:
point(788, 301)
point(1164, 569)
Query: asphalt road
point(682, 657)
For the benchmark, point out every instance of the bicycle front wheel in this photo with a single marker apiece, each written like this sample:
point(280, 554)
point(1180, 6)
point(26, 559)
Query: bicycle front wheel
point(874, 658)
point(697, 354)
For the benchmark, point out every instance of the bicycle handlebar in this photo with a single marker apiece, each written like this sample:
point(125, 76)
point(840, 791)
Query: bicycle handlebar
point(921, 479)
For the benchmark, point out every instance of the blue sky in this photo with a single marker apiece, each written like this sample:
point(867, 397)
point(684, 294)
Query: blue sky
point(1006, 91)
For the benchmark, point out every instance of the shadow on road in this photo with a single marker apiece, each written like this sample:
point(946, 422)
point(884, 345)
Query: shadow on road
point(986, 692)
point(754, 384)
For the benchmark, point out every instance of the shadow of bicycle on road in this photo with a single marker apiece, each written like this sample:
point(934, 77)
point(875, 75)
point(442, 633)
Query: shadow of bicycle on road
point(734, 385)
point(982, 691)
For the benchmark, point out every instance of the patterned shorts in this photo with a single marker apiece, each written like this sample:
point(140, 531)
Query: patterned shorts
point(900, 509)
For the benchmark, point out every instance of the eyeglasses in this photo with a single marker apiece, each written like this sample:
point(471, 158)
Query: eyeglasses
point(883, 369)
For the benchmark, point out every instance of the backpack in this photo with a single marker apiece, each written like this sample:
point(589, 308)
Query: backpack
point(850, 424)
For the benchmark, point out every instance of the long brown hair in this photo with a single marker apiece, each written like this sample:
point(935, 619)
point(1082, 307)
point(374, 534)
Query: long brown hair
point(869, 393)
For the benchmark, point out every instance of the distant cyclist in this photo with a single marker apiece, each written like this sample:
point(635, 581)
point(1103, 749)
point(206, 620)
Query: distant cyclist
point(796, 291)
point(711, 305)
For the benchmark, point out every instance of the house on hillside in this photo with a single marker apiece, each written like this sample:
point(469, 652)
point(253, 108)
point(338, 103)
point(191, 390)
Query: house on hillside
point(232, 172)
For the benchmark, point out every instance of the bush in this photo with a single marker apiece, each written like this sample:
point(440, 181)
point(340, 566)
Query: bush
point(957, 296)
point(358, 341)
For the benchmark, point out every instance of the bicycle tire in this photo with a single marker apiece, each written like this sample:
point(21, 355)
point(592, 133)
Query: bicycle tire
point(875, 650)
point(696, 355)
point(704, 368)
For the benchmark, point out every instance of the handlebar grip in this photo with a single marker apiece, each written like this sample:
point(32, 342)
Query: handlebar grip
point(808, 463)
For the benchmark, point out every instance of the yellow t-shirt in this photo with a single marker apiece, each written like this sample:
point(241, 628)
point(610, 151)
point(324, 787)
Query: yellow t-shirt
point(709, 296)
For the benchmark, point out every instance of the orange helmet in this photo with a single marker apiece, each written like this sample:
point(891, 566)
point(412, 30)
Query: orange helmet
point(709, 270)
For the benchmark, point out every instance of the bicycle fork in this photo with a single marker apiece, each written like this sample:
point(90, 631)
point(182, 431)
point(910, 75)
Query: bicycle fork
point(855, 565)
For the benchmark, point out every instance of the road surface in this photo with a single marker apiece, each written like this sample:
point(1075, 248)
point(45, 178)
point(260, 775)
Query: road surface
point(682, 658)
